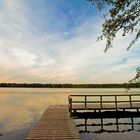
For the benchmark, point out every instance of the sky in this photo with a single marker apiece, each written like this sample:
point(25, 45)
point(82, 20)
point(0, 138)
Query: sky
point(55, 41)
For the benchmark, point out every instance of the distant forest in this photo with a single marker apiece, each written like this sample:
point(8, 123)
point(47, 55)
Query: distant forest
point(39, 85)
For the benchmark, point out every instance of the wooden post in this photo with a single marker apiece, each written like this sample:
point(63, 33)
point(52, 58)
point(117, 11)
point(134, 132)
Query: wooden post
point(116, 105)
point(130, 101)
point(132, 123)
point(102, 125)
point(70, 106)
point(85, 125)
point(69, 102)
point(117, 124)
point(123, 109)
point(85, 102)
point(101, 105)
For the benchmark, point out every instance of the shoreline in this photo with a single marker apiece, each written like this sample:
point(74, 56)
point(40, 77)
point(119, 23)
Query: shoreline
point(40, 85)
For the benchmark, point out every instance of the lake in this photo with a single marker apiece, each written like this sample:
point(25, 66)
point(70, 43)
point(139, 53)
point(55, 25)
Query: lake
point(20, 108)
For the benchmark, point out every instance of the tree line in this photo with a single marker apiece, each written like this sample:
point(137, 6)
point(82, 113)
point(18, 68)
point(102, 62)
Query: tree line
point(40, 85)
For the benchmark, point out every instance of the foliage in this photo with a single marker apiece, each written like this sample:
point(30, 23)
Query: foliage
point(123, 16)
point(40, 85)
point(137, 77)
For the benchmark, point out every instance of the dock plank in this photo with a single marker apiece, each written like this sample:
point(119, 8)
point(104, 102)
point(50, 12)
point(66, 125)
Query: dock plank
point(55, 124)
point(106, 106)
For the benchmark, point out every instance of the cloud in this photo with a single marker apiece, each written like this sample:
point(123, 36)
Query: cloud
point(69, 55)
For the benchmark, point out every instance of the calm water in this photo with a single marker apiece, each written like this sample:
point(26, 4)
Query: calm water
point(20, 108)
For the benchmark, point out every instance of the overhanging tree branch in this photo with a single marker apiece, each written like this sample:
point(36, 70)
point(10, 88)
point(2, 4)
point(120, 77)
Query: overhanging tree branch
point(123, 15)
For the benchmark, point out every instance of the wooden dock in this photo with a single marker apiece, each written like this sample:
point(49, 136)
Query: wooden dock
point(55, 124)
point(104, 105)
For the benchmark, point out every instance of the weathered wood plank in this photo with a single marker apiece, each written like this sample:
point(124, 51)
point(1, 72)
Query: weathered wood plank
point(103, 102)
point(55, 124)
point(105, 106)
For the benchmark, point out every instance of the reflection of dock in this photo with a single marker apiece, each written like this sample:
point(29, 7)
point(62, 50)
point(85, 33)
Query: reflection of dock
point(103, 107)
point(55, 124)
point(102, 125)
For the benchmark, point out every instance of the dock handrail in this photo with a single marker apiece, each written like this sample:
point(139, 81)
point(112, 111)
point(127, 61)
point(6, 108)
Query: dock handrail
point(129, 99)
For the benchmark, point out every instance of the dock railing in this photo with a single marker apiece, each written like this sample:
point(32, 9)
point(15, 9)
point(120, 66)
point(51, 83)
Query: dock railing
point(103, 102)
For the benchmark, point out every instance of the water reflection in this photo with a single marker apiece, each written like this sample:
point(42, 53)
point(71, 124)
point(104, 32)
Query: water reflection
point(18, 112)
point(114, 125)
point(20, 108)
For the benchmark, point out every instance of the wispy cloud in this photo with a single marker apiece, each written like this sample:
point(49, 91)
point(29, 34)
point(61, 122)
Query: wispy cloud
point(56, 43)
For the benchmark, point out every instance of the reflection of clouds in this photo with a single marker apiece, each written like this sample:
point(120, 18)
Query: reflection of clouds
point(19, 110)
point(112, 136)
point(14, 113)
point(20, 107)
point(19, 134)
point(14, 117)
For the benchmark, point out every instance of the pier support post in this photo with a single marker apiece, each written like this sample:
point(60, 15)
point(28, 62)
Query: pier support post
point(132, 122)
point(117, 124)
